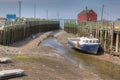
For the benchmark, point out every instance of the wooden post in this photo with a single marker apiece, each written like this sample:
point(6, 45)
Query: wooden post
point(112, 32)
point(98, 29)
point(105, 39)
point(100, 36)
point(0, 36)
point(3, 36)
point(117, 42)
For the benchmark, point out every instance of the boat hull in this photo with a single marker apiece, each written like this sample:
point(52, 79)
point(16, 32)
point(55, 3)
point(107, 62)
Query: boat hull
point(91, 48)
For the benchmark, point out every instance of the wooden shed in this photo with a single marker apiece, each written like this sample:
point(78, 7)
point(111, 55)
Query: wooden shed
point(87, 15)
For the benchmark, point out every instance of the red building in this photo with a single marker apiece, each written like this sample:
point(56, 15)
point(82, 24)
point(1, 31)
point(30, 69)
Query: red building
point(87, 15)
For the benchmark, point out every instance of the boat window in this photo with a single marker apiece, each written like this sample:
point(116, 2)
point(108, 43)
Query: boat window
point(97, 41)
point(83, 41)
point(86, 41)
point(94, 41)
point(90, 41)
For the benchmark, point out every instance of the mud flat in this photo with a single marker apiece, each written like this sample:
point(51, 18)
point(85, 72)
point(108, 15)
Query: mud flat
point(43, 62)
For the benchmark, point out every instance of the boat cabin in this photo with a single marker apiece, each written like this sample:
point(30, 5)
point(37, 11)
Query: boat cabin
point(85, 40)
point(85, 43)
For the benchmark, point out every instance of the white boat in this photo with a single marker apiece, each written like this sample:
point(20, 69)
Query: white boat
point(87, 44)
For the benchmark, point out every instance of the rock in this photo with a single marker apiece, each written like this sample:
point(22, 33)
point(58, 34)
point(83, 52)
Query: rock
point(5, 60)
point(43, 65)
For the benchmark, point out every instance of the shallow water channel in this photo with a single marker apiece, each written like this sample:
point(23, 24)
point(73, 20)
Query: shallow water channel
point(106, 70)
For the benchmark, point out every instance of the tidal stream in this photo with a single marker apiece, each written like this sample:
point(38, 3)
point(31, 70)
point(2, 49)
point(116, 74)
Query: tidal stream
point(105, 69)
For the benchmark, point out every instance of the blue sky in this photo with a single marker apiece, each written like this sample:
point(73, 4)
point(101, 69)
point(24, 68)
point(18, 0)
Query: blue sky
point(67, 9)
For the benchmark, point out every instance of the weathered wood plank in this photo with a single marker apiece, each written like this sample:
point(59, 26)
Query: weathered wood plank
point(5, 74)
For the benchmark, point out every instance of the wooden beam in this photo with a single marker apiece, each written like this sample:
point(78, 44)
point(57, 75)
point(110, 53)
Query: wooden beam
point(112, 34)
point(5, 74)
point(117, 42)
point(105, 36)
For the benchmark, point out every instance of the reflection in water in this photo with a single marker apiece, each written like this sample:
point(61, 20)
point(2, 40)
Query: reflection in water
point(61, 49)
point(105, 69)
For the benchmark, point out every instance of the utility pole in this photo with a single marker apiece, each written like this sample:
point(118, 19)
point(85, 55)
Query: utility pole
point(35, 11)
point(47, 13)
point(58, 15)
point(20, 9)
point(102, 13)
point(86, 13)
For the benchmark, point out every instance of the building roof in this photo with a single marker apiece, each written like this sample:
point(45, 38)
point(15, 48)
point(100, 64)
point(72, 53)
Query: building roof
point(85, 11)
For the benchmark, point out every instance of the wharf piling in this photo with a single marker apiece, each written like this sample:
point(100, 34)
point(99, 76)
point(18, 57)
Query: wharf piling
point(107, 32)
point(18, 31)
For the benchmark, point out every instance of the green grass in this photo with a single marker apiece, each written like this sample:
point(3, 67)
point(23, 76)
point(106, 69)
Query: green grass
point(33, 59)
